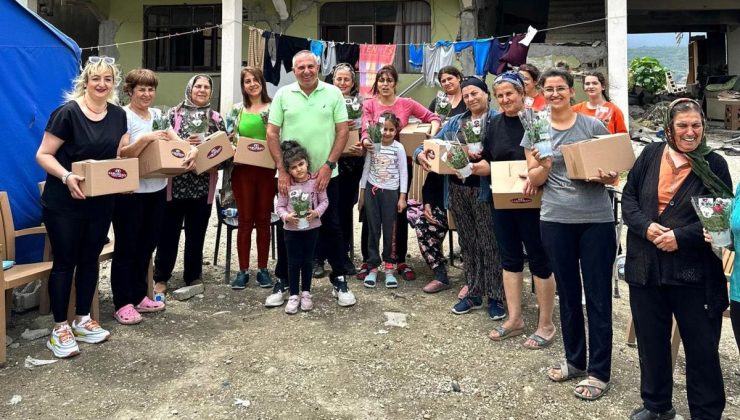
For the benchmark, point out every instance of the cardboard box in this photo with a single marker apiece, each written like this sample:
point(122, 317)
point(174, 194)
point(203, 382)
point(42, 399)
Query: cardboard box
point(418, 177)
point(611, 152)
point(732, 115)
point(253, 152)
point(434, 148)
point(413, 135)
point(352, 139)
point(507, 185)
point(103, 177)
point(450, 221)
point(163, 159)
point(213, 151)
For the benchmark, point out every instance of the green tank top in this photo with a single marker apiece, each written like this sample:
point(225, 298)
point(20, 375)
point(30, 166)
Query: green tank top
point(251, 125)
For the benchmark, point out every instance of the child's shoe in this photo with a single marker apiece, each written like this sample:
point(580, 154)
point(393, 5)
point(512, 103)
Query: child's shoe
point(306, 301)
point(390, 280)
point(292, 306)
point(371, 279)
point(62, 342)
point(89, 331)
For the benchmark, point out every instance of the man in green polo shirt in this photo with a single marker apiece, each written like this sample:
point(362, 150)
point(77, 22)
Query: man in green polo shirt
point(313, 113)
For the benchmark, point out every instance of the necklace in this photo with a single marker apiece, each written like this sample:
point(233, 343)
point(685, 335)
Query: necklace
point(84, 101)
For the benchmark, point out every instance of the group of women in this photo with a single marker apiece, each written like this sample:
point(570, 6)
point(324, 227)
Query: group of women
point(570, 242)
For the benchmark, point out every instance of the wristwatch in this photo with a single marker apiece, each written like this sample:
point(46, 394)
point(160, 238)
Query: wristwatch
point(330, 164)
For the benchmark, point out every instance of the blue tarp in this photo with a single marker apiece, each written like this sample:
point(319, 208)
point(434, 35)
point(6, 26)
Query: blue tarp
point(37, 66)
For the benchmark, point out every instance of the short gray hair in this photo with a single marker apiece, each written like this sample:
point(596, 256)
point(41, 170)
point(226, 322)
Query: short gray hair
point(303, 52)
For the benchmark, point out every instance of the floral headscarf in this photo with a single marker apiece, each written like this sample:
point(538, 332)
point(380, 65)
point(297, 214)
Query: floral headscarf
point(696, 157)
point(188, 103)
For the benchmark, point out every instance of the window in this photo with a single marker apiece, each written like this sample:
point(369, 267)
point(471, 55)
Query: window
point(188, 53)
point(383, 22)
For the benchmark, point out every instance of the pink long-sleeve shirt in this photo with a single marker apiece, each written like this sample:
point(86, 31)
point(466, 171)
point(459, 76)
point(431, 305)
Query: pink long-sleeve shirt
point(403, 108)
point(319, 202)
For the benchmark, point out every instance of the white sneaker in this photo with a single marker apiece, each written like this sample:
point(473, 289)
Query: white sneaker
point(341, 291)
point(277, 298)
point(62, 342)
point(90, 332)
point(292, 306)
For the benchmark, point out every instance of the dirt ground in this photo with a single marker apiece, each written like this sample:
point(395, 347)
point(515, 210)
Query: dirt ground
point(202, 357)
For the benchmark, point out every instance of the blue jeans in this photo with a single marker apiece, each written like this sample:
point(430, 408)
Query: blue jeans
point(588, 249)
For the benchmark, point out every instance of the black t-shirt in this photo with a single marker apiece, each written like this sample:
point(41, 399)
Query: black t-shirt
point(459, 109)
point(83, 139)
point(503, 136)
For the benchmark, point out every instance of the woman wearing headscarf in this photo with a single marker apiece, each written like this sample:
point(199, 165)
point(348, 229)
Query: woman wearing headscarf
point(88, 126)
point(189, 196)
point(671, 270)
point(469, 200)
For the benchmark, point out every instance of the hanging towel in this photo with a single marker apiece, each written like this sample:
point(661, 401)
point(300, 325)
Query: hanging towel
point(436, 57)
point(481, 47)
point(329, 58)
point(498, 49)
point(461, 45)
point(317, 48)
point(372, 58)
point(288, 47)
point(348, 53)
point(255, 48)
point(516, 56)
point(443, 43)
point(270, 70)
point(531, 32)
point(416, 56)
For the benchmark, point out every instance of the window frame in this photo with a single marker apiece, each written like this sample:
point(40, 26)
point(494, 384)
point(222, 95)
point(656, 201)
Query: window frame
point(158, 29)
point(325, 24)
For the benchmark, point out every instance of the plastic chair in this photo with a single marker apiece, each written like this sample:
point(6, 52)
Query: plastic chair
point(231, 224)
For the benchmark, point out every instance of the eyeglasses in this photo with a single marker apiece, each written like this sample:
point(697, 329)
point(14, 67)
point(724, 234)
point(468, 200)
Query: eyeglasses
point(560, 90)
point(94, 59)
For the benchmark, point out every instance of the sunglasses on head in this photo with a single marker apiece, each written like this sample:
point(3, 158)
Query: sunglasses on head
point(94, 59)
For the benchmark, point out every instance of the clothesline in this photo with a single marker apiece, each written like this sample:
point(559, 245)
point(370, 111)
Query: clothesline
point(197, 30)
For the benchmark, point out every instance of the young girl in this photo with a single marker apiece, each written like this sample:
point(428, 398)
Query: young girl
point(300, 227)
point(383, 194)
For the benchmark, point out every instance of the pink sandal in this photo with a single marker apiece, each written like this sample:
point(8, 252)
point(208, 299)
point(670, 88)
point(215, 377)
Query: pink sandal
point(147, 306)
point(127, 315)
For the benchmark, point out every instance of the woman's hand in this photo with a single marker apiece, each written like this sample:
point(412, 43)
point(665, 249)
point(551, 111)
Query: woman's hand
point(423, 162)
point(73, 183)
point(369, 146)
point(654, 231)
point(473, 155)
point(427, 213)
point(356, 150)
point(312, 214)
point(607, 178)
point(292, 219)
point(401, 204)
point(666, 242)
point(194, 139)
point(545, 163)
point(707, 236)
point(528, 190)
point(189, 161)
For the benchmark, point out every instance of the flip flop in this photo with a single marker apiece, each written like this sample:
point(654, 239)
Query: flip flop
point(596, 387)
point(541, 341)
point(504, 333)
point(567, 372)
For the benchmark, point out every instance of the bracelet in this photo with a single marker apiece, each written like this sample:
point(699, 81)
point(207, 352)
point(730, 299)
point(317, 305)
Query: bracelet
point(65, 176)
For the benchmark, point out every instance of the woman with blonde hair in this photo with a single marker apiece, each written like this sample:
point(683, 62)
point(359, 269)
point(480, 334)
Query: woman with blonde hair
point(88, 126)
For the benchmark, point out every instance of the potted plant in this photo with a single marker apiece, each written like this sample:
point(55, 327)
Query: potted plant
point(714, 214)
point(472, 132)
point(537, 127)
point(457, 158)
point(300, 201)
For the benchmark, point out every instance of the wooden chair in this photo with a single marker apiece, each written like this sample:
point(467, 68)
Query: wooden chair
point(19, 274)
point(728, 261)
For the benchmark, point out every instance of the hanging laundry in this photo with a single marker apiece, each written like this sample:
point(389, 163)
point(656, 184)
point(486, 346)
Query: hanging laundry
point(317, 47)
point(461, 45)
point(443, 43)
point(481, 47)
point(436, 57)
point(286, 47)
point(372, 58)
point(517, 54)
point(329, 58)
point(531, 32)
point(271, 71)
point(255, 48)
point(498, 49)
point(348, 53)
point(416, 56)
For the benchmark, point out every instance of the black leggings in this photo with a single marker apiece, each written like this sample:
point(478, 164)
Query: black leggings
point(735, 318)
point(137, 219)
point(300, 245)
point(76, 243)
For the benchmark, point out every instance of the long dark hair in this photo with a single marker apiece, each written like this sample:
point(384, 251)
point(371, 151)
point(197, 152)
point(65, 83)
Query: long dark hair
point(257, 74)
point(599, 75)
point(388, 70)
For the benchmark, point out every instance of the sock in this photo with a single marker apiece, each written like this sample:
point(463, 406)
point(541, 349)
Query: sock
point(84, 319)
point(440, 273)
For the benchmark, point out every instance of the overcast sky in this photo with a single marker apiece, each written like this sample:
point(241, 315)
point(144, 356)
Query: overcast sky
point(655, 40)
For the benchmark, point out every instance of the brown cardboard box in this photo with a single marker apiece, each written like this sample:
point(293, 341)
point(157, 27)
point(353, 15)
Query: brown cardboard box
point(433, 148)
point(414, 135)
point(163, 159)
point(253, 152)
point(418, 178)
point(450, 221)
point(213, 151)
point(612, 152)
point(732, 115)
point(352, 139)
point(103, 177)
point(506, 186)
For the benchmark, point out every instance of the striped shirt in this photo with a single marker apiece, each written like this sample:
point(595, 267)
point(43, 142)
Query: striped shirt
point(386, 168)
